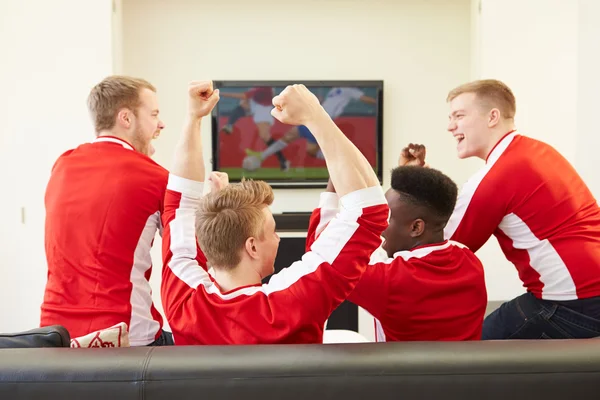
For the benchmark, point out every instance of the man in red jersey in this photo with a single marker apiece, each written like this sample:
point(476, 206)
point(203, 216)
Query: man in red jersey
point(544, 217)
point(237, 232)
point(103, 208)
point(424, 288)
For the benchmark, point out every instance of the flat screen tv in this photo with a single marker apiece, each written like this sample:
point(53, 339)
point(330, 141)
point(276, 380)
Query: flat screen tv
point(248, 142)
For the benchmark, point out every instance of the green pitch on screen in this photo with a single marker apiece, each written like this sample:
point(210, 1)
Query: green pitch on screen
point(276, 173)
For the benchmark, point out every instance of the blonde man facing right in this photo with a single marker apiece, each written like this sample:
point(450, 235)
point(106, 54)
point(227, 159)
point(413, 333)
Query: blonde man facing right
point(236, 230)
point(545, 218)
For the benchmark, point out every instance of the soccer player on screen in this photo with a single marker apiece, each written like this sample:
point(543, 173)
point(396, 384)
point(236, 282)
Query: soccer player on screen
point(335, 103)
point(237, 233)
point(257, 103)
point(424, 288)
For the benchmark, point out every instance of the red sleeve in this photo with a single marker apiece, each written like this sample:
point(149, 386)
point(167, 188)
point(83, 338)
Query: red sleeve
point(321, 216)
point(371, 292)
point(328, 273)
point(480, 207)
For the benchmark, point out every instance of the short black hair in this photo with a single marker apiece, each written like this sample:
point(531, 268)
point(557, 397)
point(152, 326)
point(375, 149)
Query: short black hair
point(427, 188)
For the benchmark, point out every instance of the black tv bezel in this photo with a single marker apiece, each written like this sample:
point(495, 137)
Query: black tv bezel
point(314, 184)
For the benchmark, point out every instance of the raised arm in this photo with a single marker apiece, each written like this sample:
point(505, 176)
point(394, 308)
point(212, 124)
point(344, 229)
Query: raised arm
point(329, 206)
point(335, 261)
point(189, 161)
point(348, 169)
point(183, 261)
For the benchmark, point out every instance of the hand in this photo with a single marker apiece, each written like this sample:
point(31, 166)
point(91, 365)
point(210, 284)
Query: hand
point(296, 105)
point(413, 154)
point(219, 180)
point(202, 98)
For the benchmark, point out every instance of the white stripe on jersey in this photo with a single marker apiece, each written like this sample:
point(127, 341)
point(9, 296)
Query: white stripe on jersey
point(468, 190)
point(379, 332)
point(543, 258)
point(142, 326)
point(113, 140)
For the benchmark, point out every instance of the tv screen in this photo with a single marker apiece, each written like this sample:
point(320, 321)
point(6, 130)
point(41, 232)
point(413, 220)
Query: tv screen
point(249, 142)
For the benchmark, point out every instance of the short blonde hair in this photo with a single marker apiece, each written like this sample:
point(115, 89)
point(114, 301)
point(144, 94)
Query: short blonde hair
point(112, 94)
point(492, 94)
point(230, 216)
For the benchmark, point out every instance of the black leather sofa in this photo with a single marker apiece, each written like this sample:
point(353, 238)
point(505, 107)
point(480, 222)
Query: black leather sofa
point(509, 370)
point(50, 336)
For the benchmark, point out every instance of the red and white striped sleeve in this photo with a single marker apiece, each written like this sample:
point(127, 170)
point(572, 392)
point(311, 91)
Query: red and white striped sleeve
point(479, 210)
point(182, 270)
point(329, 271)
point(329, 206)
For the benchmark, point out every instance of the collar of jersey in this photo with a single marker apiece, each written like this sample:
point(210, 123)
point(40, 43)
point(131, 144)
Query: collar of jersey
point(113, 139)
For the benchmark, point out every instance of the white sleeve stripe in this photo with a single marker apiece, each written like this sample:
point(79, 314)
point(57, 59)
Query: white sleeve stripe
point(324, 250)
point(183, 245)
point(329, 200)
point(187, 186)
point(470, 187)
point(329, 204)
point(363, 198)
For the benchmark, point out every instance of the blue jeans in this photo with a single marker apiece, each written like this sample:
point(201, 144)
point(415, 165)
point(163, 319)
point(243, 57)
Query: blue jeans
point(527, 317)
point(165, 339)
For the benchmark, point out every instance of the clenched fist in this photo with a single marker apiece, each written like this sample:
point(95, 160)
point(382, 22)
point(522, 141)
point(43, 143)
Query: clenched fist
point(296, 105)
point(413, 154)
point(219, 180)
point(202, 98)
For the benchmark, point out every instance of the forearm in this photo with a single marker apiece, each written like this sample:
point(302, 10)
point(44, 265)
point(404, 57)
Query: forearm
point(188, 159)
point(348, 169)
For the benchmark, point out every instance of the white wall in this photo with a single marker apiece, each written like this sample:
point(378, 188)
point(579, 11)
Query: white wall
point(588, 89)
point(53, 52)
point(420, 49)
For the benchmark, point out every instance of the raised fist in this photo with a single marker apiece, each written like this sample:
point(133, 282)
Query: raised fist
point(202, 98)
point(296, 105)
point(413, 154)
point(219, 180)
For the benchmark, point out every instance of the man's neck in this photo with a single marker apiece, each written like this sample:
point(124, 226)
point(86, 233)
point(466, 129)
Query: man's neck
point(239, 276)
point(497, 135)
point(430, 238)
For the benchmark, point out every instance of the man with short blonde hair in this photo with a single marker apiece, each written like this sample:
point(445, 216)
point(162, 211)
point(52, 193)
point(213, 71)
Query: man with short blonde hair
point(113, 93)
point(228, 216)
point(545, 218)
point(103, 204)
point(237, 232)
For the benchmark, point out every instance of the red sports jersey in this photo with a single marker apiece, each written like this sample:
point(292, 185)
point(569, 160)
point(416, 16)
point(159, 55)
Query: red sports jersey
point(293, 306)
point(545, 218)
point(103, 207)
point(430, 293)
point(261, 95)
